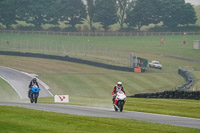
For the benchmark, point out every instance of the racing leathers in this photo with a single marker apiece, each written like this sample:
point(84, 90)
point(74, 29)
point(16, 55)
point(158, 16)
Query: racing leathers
point(114, 92)
point(32, 83)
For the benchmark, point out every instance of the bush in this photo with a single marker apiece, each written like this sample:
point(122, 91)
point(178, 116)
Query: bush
point(177, 29)
point(70, 29)
point(54, 28)
point(86, 28)
point(22, 27)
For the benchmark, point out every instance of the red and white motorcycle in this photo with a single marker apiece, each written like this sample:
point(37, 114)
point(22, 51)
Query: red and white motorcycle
point(121, 97)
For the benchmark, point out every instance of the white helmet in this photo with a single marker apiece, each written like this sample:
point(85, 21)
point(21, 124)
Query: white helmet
point(119, 83)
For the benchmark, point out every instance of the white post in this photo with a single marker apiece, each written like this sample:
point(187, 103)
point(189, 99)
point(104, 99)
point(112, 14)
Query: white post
point(131, 60)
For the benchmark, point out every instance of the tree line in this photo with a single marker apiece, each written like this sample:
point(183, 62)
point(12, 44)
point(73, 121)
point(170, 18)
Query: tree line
point(133, 13)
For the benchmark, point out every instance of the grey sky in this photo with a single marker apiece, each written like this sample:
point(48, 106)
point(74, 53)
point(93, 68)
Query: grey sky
point(193, 2)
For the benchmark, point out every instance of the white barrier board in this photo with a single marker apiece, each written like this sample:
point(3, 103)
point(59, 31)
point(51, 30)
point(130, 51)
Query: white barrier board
point(61, 98)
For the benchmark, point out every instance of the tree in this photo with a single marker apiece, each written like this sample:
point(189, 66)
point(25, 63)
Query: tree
point(72, 12)
point(91, 12)
point(143, 12)
point(175, 12)
point(106, 13)
point(7, 13)
point(122, 6)
point(38, 12)
point(189, 15)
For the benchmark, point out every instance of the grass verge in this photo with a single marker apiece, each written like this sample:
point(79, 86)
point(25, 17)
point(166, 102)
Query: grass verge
point(7, 92)
point(176, 107)
point(83, 81)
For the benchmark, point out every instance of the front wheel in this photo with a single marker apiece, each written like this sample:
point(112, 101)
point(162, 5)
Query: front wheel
point(36, 97)
point(121, 105)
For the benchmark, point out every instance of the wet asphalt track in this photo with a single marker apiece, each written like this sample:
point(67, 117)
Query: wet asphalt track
point(19, 81)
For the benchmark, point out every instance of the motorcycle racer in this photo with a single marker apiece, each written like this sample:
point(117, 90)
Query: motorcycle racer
point(32, 83)
point(116, 89)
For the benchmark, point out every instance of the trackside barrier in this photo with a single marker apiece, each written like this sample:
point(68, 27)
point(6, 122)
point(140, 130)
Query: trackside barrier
point(67, 58)
point(97, 33)
point(181, 92)
point(61, 98)
point(170, 94)
point(188, 77)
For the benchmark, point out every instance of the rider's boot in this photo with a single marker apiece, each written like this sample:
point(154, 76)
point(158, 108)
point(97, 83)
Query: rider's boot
point(115, 104)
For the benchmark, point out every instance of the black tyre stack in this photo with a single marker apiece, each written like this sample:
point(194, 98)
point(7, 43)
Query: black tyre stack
point(181, 92)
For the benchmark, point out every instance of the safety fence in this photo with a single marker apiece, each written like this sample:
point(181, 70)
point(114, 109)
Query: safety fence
point(58, 43)
point(97, 33)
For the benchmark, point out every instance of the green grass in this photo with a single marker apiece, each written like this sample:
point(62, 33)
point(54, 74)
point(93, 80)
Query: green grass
point(91, 86)
point(7, 92)
point(115, 50)
point(33, 121)
point(86, 84)
point(176, 107)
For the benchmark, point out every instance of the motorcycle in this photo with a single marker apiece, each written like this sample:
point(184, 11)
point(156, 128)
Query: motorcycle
point(34, 93)
point(121, 97)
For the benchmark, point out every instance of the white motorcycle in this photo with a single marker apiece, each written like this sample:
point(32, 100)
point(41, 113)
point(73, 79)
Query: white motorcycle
point(121, 97)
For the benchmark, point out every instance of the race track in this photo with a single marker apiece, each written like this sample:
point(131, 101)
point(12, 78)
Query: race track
point(19, 81)
point(101, 112)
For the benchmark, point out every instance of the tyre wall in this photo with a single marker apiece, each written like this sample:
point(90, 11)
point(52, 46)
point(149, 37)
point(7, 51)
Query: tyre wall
point(181, 92)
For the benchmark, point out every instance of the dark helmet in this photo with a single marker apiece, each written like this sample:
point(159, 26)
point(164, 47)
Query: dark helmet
point(34, 80)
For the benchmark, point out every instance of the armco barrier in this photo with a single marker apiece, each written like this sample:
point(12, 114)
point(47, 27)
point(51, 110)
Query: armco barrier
point(67, 58)
point(188, 77)
point(171, 94)
point(181, 92)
